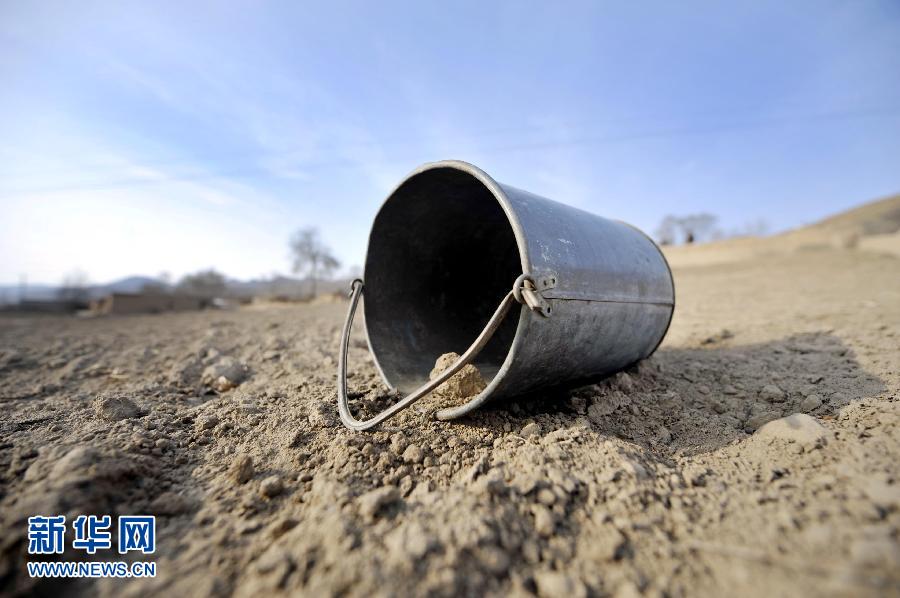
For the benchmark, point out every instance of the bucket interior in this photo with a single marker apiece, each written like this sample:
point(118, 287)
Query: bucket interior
point(442, 255)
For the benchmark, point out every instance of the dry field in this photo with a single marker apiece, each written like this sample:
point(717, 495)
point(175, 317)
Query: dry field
point(661, 481)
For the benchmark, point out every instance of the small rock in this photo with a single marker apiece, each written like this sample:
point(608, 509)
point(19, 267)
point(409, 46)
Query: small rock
point(810, 403)
point(663, 435)
point(799, 427)
point(494, 559)
point(491, 484)
point(116, 408)
point(398, 443)
point(413, 454)
point(624, 382)
point(372, 504)
point(405, 485)
point(532, 429)
point(543, 520)
point(772, 393)
point(480, 467)
point(226, 372)
point(271, 486)
point(552, 584)
point(207, 422)
point(222, 384)
point(242, 469)
point(545, 496)
point(597, 413)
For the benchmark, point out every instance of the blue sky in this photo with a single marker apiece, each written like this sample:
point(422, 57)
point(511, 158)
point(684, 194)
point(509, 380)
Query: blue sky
point(141, 137)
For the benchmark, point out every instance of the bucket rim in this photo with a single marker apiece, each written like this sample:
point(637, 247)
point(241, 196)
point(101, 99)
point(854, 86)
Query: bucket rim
point(499, 194)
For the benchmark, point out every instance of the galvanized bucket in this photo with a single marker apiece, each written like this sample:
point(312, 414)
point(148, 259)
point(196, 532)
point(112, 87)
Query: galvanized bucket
point(449, 243)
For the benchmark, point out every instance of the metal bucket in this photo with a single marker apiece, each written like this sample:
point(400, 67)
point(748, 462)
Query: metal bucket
point(597, 295)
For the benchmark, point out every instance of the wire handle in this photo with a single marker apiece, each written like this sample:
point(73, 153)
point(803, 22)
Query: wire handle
point(523, 291)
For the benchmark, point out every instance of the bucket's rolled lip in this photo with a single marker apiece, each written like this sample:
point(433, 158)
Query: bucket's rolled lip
point(500, 195)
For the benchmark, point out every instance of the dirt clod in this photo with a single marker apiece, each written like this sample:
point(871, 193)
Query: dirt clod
point(374, 502)
point(271, 487)
point(532, 429)
point(464, 384)
point(413, 454)
point(225, 374)
point(811, 403)
point(242, 469)
point(114, 408)
point(772, 393)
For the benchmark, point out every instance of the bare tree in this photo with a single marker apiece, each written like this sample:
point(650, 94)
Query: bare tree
point(697, 227)
point(667, 231)
point(311, 256)
point(688, 229)
point(207, 284)
point(74, 288)
point(162, 285)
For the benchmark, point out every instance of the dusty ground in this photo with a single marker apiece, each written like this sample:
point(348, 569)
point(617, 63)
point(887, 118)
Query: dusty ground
point(652, 483)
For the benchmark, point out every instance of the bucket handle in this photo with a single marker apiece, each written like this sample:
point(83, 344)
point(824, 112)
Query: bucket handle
point(523, 291)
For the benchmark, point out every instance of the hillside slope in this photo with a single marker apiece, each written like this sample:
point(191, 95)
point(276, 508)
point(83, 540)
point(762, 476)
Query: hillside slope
point(874, 226)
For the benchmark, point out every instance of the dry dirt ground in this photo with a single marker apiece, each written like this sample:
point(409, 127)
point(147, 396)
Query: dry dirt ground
point(662, 481)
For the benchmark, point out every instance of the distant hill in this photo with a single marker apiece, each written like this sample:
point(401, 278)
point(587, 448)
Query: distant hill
point(130, 284)
point(879, 217)
point(873, 226)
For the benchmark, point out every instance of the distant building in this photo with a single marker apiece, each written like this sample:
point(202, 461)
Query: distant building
point(49, 306)
point(145, 303)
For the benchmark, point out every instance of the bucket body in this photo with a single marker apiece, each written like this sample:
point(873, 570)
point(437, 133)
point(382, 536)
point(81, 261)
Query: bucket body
point(447, 245)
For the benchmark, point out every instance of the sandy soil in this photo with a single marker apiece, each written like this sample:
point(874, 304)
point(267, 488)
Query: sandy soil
point(662, 481)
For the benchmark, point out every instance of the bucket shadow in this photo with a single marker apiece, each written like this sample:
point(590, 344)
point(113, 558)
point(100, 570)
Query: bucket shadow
point(694, 400)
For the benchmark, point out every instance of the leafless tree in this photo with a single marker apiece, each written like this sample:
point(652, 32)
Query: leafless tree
point(207, 284)
point(697, 227)
point(161, 286)
point(692, 228)
point(667, 231)
point(74, 288)
point(311, 256)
